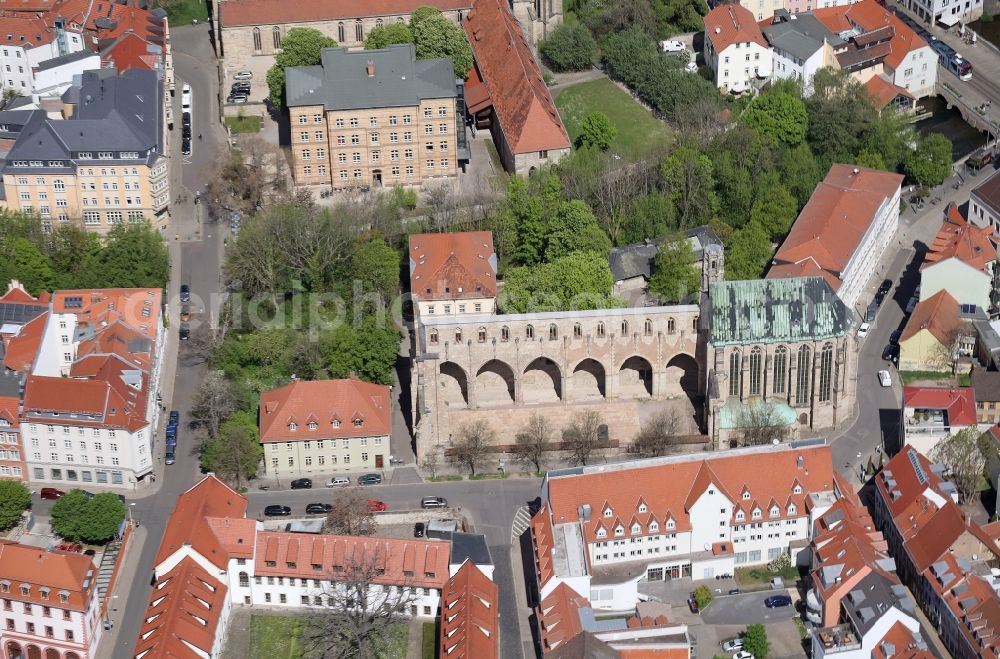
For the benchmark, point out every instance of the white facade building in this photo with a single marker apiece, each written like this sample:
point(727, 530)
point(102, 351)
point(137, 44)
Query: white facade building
point(735, 48)
point(676, 517)
point(27, 45)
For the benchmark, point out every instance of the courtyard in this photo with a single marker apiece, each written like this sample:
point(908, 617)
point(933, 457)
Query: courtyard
point(284, 635)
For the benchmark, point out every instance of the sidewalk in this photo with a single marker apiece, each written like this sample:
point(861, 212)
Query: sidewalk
point(111, 639)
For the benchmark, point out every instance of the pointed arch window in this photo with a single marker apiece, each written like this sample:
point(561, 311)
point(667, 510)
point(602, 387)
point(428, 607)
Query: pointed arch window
point(671, 325)
point(577, 330)
point(600, 330)
point(505, 333)
point(734, 373)
point(433, 336)
point(803, 376)
point(553, 332)
point(756, 371)
point(341, 33)
point(624, 328)
point(481, 335)
point(458, 335)
point(276, 37)
point(359, 31)
point(780, 369)
point(647, 326)
point(257, 44)
point(825, 372)
point(529, 332)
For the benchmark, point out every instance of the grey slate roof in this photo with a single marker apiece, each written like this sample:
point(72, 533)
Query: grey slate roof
point(341, 80)
point(10, 384)
point(114, 112)
point(800, 37)
point(776, 310)
point(471, 546)
point(986, 384)
point(53, 62)
point(871, 598)
point(637, 260)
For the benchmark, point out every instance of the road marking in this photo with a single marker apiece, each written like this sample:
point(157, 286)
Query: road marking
point(522, 520)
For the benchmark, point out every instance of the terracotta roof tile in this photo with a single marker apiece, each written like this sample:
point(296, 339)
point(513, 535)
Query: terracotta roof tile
point(74, 574)
point(97, 308)
point(938, 314)
point(451, 266)
point(22, 348)
point(188, 523)
point(521, 100)
point(960, 402)
point(901, 639)
point(957, 238)
point(884, 92)
point(559, 616)
point(834, 222)
point(869, 16)
point(235, 13)
point(670, 487)
point(326, 401)
point(470, 625)
point(182, 618)
point(102, 400)
point(730, 24)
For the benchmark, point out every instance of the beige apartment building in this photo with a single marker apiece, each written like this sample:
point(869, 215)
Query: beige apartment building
point(102, 164)
point(375, 118)
point(325, 426)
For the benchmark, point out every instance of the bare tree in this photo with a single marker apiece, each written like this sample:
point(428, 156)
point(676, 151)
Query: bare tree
point(660, 435)
point(533, 441)
point(214, 401)
point(430, 463)
point(614, 192)
point(583, 435)
point(249, 178)
point(362, 607)
point(963, 460)
point(472, 443)
point(351, 514)
point(759, 422)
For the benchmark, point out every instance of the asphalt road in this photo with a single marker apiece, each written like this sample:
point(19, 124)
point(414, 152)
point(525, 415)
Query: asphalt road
point(746, 609)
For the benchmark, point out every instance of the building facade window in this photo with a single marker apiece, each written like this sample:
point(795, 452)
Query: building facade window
point(825, 372)
point(734, 373)
point(780, 368)
point(276, 37)
point(756, 371)
point(803, 376)
point(256, 39)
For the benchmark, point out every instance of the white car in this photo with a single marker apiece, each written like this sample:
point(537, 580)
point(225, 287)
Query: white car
point(336, 481)
point(884, 378)
point(243, 75)
point(733, 645)
point(742, 654)
point(186, 97)
point(863, 330)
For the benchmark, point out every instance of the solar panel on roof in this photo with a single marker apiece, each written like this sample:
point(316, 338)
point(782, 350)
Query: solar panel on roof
point(74, 302)
point(917, 468)
point(19, 314)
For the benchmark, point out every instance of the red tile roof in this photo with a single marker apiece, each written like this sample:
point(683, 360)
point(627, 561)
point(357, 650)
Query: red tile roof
point(973, 603)
point(17, 295)
point(900, 638)
point(132, 51)
point(543, 542)
point(833, 223)
point(451, 266)
point(869, 16)
point(960, 402)
point(278, 12)
point(22, 348)
point(667, 489)
point(182, 618)
point(25, 31)
point(731, 24)
point(558, 616)
point(884, 92)
point(334, 406)
point(106, 401)
point(957, 238)
point(521, 100)
point(97, 308)
point(188, 523)
point(417, 563)
point(938, 314)
point(470, 625)
point(60, 572)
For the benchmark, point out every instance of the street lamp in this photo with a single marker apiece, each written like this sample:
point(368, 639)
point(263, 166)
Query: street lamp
point(129, 509)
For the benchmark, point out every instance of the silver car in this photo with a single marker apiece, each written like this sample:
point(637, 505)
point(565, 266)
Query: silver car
point(243, 75)
point(433, 502)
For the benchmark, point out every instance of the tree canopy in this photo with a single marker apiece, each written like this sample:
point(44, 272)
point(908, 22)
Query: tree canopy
point(597, 131)
point(14, 499)
point(301, 46)
point(93, 520)
point(778, 116)
point(576, 281)
point(569, 48)
point(675, 276)
point(436, 36)
point(930, 163)
point(387, 35)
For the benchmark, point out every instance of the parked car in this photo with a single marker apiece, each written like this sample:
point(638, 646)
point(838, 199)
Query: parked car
point(174, 416)
point(186, 97)
point(912, 304)
point(318, 508)
point(243, 75)
point(433, 502)
point(742, 654)
point(891, 354)
point(734, 591)
point(184, 333)
point(85, 493)
point(185, 312)
point(51, 493)
point(369, 479)
point(237, 98)
point(733, 645)
point(418, 530)
point(302, 483)
point(169, 457)
point(872, 311)
point(885, 286)
point(376, 506)
point(74, 547)
point(186, 119)
point(693, 604)
point(894, 337)
point(775, 601)
point(863, 330)
point(884, 378)
point(185, 293)
point(338, 481)
point(186, 146)
point(277, 511)
point(240, 88)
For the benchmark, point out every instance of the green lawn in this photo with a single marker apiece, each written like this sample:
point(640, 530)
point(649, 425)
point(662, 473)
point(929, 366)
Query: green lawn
point(916, 376)
point(244, 124)
point(639, 132)
point(182, 12)
point(762, 575)
point(280, 637)
point(429, 647)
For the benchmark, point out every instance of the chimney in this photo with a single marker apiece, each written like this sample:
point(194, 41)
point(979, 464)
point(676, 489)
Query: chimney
point(370, 68)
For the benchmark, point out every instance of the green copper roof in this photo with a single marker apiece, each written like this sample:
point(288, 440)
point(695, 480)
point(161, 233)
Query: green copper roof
point(776, 310)
point(729, 414)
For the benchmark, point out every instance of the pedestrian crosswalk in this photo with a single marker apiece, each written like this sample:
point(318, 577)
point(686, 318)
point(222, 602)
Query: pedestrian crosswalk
point(522, 519)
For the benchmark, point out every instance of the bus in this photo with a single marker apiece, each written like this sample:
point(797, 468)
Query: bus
point(958, 65)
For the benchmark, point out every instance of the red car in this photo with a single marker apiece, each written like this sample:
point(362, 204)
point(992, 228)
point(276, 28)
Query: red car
point(376, 506)
point(71, 547)
point(51, 493)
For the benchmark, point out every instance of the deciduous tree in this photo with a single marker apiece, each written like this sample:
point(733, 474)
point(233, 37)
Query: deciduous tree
point(533, 440)
point(236, 453)
point(569, 48)
point(675, 276)
point(471, 444)
point(755, 641)
point(93, 520)
point(301, 46)
point(597, 131)
point(760, 422)
point(930, 163)
point(26, 263)
point(14, 499)
point(660, 435)
point(382, 36)
point(214, 401)
point(963, 460)
point(575, 281)
point(688, 178)
point(583, 436)
point(436, 36)
point(774, 211)
point(574, 229)
point(778, 116)
point(749, 253)
point(351, 514)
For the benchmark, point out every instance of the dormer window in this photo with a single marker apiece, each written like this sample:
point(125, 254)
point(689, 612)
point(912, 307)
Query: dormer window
point(312, 425)
point(791, 509)
point(746, 495)
point(774, 511)
point(358, 423)
point(63, 596)
point(336, 423)
point(25, 589)
point(756, 513)
point(654, 527)
point(608, 512)
point(4, 586)
point(671, 524)
point(798, 489)
point(636, 529)
point(292, 425)
point(642, 507)
point(740, 516)
point(619, 530)
point(601, 533)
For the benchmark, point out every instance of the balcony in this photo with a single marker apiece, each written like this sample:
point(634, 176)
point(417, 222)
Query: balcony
point(839, 638)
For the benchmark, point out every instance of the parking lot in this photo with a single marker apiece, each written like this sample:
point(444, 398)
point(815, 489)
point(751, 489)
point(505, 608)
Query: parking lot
point(746, 609)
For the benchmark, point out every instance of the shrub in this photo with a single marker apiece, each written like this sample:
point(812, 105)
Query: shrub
point(570, 48)
point(703, 596)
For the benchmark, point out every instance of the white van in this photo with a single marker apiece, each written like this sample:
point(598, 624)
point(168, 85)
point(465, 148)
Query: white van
point(884, 378)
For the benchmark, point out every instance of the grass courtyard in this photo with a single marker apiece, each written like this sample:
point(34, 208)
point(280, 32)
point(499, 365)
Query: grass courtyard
point(280, 637)
point(183, 12)
point(639, 132)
